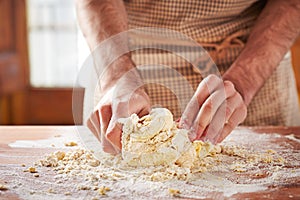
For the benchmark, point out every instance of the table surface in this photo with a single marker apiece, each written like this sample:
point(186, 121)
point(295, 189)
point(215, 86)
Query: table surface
point(17, 146)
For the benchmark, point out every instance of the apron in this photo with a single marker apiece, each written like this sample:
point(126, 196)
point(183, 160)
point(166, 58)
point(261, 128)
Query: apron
point(222, 28)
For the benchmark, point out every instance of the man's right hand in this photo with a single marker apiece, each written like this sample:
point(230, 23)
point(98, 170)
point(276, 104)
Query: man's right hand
point(125, 97)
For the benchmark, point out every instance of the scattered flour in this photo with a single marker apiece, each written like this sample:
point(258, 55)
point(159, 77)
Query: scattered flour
point(158, 161)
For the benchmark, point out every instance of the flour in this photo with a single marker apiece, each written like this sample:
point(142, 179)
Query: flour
point(253, 163)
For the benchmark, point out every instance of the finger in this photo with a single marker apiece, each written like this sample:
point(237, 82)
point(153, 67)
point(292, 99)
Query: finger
point(91, 126)
point(114, 129)
point(105, 114)
point(209, 109)
point(189, 114)
point(108, 147)
point(216, 125)
point(139, 103)
point(114, 135)
point(207, 112)
point(229, 89)
point(232, 104)
point(236, 118)
point(94, 118)
point(233, 101)
point(205, 88)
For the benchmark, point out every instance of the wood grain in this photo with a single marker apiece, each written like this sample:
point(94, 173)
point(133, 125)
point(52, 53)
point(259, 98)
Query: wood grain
point(11, 74)
point(6, 26)
point(51, 106)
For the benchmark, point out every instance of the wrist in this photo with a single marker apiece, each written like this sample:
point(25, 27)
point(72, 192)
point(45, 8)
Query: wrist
point(115, 71)
point(242, 83)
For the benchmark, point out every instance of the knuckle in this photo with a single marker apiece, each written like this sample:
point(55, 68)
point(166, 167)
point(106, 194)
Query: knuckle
point(200, 128)
point(212, 79)
point(122, 105)
point(229, 110)
point(103, 108)
point(196, 101)
point(208, 107)
point(229, 85)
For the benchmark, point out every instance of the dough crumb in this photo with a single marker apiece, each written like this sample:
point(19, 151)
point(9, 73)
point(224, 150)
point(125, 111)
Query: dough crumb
point(83, 187)
point(103, 189)
point(50, 190)
point(32, 170)
point(3, 187)
point(174, 192)
point(67, 193)
point(70, 144)
point(271, 151)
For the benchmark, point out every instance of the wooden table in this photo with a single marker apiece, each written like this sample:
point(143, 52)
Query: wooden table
point(18, 146)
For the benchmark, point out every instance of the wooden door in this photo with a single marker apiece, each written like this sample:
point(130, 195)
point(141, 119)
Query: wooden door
point(20, 103)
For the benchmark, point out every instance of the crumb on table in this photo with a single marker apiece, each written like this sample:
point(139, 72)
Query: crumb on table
point(70, 144)
point(32, 170)
point(3, 187)
point(103, 189)
point(174, 192)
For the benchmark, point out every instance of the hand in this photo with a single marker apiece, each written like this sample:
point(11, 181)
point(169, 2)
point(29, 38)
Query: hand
point(123, 99)
point(214, 111)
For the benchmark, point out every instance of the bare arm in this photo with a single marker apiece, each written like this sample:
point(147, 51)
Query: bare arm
point(121, 91)
point(99, 20)
point(276, 28)
point(272, 36)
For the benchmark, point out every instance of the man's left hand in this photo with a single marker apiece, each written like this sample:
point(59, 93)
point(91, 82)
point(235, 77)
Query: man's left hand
point(214, 111)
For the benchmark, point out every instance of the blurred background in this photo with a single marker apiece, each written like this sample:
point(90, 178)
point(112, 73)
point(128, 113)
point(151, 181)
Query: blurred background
point(41, 51)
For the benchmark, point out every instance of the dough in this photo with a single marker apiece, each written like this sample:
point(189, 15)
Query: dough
point(155, 140)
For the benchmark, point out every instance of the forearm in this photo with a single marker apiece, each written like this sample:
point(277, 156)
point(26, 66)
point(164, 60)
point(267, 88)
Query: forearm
point(270, 39)
point(100, 20)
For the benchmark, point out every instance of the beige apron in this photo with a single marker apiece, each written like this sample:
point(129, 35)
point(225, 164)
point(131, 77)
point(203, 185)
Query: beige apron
point(222, 28)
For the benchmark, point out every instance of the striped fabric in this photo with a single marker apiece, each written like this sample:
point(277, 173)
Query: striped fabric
point(222, 28)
